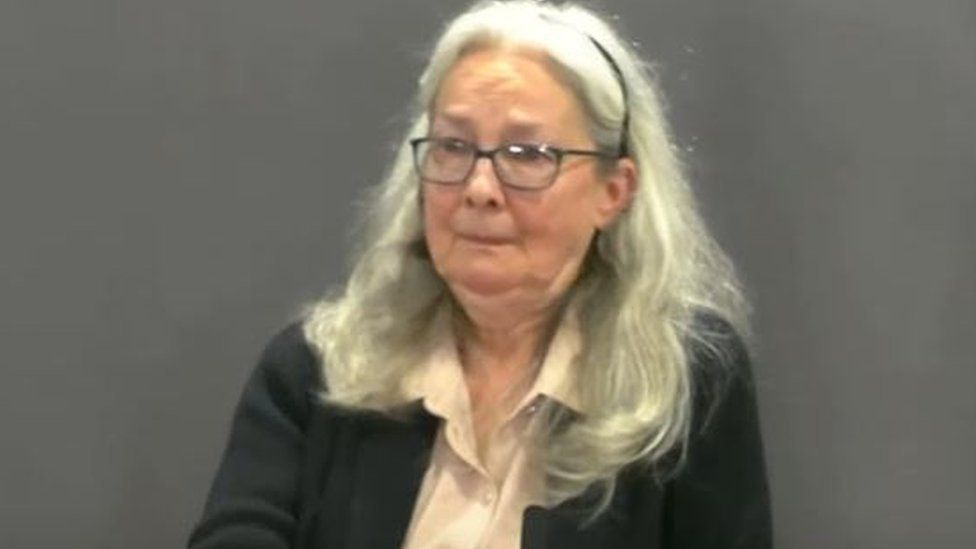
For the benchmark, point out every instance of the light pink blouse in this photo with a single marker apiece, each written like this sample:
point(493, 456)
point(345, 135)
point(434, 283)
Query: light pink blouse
point(464, 502)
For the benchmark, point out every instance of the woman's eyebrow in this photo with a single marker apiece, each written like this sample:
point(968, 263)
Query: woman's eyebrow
point(457, 120)
point(460, 118)
point(525, 130)
point(513, 130)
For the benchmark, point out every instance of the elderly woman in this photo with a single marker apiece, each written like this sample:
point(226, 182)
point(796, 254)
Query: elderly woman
point(537, 344)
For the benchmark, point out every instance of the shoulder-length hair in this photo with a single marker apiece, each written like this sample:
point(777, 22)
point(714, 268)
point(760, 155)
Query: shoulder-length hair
point(645, 280)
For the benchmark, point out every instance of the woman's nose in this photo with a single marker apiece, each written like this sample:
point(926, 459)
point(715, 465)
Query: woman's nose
point(483, 187)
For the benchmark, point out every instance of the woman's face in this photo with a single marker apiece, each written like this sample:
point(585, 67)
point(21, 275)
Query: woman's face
point(487, 240)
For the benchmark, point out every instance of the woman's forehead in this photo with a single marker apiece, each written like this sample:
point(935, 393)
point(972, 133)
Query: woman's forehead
point(519, 88)
point(491, 73)
point(461, 117)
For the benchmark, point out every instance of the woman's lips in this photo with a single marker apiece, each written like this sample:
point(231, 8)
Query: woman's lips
point(485, 239)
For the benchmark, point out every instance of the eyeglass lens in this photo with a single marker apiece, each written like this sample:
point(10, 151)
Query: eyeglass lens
point(450, 161)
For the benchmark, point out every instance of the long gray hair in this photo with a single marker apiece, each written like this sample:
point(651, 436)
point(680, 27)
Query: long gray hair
point(642, 285)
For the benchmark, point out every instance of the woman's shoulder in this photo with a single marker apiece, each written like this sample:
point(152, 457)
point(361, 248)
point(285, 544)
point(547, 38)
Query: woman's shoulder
point(253, 493)
point(721, 491)
point(288, 345)
point(287, 371)
point(721, 368)
point(715, 337)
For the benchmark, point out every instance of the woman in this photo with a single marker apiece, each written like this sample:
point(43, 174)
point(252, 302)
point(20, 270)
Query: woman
point(537, 344)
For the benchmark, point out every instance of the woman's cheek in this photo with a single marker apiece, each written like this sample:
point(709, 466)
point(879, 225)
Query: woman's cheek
point(437, 212)
point(559, 245)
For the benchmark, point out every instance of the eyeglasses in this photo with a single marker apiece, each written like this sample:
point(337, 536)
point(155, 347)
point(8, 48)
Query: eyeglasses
point(525, 166)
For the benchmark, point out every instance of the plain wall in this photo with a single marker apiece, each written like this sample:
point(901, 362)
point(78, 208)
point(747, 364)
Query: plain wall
point(178, 177)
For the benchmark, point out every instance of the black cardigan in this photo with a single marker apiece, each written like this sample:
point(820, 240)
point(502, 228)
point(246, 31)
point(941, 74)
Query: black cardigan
point(299, 475)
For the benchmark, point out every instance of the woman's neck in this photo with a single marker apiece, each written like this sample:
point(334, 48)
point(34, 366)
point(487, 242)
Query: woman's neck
point(503, 346)
point(500, 350)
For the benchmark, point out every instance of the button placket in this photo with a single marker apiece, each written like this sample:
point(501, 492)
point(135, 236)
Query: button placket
point(488, 495)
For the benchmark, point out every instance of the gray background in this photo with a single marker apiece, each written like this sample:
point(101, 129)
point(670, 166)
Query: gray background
point(178, 178)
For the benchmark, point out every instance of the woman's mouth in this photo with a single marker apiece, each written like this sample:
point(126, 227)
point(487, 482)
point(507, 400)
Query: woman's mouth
point(488, 240)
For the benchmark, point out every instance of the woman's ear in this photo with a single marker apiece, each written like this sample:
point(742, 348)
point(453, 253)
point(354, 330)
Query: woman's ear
point(616, 192)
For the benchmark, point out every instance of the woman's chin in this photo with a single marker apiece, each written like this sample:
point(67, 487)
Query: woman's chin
point(485, 283)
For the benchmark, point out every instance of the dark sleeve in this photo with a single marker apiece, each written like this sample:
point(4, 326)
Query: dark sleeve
point(252, 502)
point(720, 498)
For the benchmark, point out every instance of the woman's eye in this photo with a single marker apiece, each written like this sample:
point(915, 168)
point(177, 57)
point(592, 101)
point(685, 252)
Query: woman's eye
point(526, 153)
point(452, 146)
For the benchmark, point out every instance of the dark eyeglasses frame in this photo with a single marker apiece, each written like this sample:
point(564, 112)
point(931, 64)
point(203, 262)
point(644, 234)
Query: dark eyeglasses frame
point(558, 152)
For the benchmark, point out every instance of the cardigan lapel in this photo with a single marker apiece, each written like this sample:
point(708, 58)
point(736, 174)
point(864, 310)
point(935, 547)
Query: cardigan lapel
point(631, 520)
point(564, 528)
point(391, 460)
